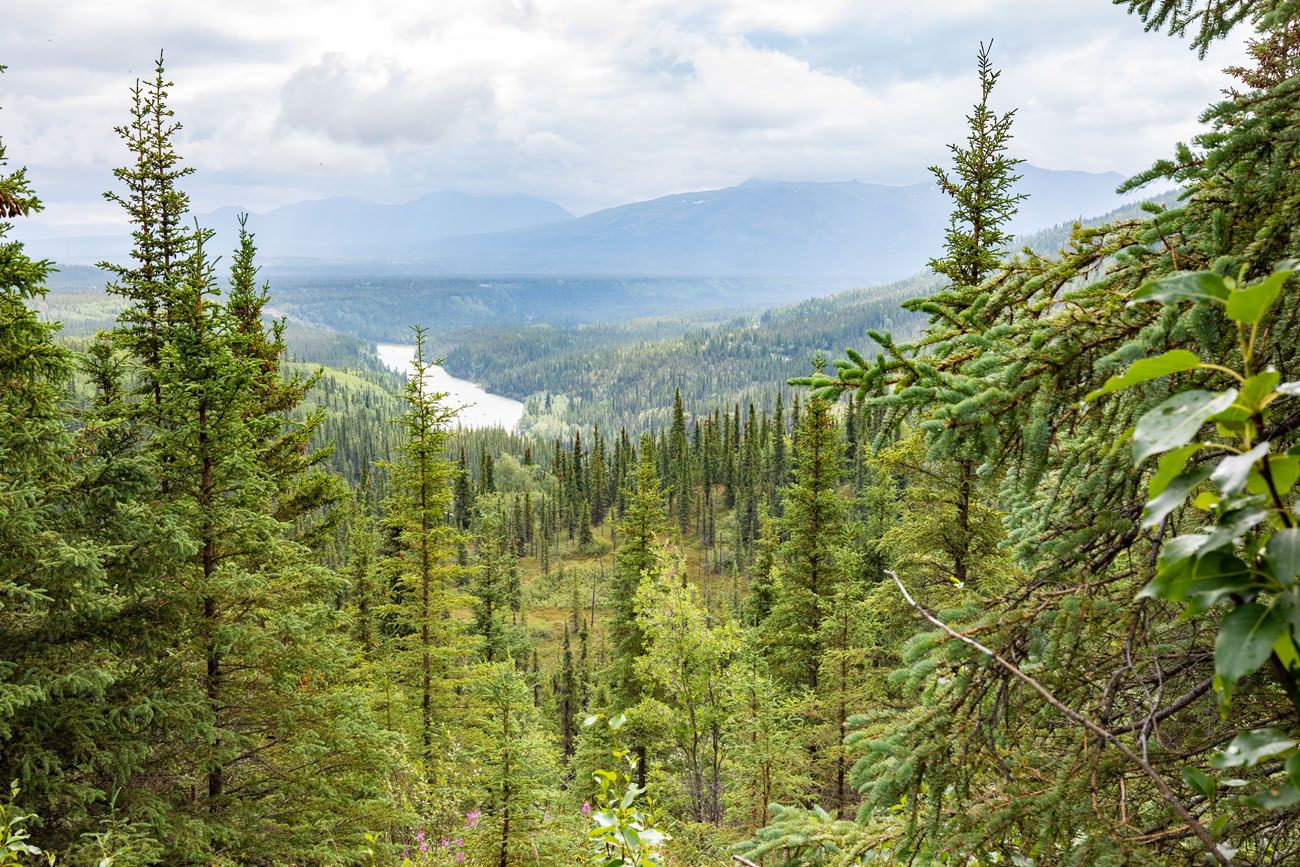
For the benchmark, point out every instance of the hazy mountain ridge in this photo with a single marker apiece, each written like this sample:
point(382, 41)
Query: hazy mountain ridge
point(869, 233)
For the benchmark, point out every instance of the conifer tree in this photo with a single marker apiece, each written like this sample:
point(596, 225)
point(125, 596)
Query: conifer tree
point(64, 716)
point(982, 191)
point(680, 463)
point(521, 771)
point(640, 529)
point(491, 588)
point(417, 514)
point(464, 497)
point(809, 562)
point(567, 698)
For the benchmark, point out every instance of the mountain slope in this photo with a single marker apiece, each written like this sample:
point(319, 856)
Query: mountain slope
point(868, 232)
point(336, 229)
point(847, 230)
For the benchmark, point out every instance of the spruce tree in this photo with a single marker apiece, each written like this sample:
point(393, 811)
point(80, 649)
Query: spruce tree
point(490, 586)
point(520, 763)
point(417, 514)
point(66, 700)
point(640, 529)
point(810, 561)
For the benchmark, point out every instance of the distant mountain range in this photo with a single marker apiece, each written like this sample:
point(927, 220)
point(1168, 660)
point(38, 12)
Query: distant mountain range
point(847, 229)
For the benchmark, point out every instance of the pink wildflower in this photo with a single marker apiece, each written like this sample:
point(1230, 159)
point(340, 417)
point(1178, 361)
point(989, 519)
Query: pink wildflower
point(471, 818)
point(460, 857)
point(586, 808)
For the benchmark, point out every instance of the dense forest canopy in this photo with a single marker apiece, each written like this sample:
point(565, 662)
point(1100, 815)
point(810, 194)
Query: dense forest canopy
point(1016, 586)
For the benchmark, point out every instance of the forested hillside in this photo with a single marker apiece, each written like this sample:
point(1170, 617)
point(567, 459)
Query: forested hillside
point(627, 377)
point(1014, 584)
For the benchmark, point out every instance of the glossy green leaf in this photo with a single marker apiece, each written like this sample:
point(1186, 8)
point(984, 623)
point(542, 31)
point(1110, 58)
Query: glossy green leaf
point(1250, 748)
point(1199, 782)
point(1147, 369)
point(1173, 496)
point(1283, 554)
point(1176, 420)
point(1233, 471)
point(1245, 640)
point(1249, 305)
point(1184, 286)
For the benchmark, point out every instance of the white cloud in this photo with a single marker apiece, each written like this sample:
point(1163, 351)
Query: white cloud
point(588, 102)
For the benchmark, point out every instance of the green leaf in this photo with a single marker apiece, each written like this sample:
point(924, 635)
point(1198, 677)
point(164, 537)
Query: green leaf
point(1245, 640)
point(1147, 369)
point(1170, 465)
point(1215, 577)
point(1199, 782)
point(1173, 495)
point(1285, 470)
point(1173, 569)
point(1249, 305)
point(617, 722)
point(1256, 391)
point(1184, 286)
point(1234, 523)
point(1234, 470)
point(1250, 748)
point(1175, 421)
point(1278, 798)
point(1293, 768)
point(1283, 553)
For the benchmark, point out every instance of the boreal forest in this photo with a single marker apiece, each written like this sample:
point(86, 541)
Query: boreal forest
point(998, 564)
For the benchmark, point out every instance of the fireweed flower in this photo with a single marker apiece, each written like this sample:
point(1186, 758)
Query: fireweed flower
point(471, 818)
point(460, 857)
point(419, 835)
point(586, 808)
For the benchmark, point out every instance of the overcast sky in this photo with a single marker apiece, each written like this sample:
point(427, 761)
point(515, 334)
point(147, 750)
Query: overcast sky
point(589, 103)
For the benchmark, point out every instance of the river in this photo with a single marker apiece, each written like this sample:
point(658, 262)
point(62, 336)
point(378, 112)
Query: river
point(479, 408)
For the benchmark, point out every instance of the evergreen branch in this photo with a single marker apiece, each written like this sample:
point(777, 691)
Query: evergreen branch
point(1075, 716)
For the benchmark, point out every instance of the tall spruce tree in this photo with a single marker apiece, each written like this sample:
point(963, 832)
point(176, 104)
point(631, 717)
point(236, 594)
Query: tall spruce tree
point(419, 515)
point(810, 561)
point(640, 530)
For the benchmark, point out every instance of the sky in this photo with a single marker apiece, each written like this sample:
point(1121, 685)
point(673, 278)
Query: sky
point(588, 103)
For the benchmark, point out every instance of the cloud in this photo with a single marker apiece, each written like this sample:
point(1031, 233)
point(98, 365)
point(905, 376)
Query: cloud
point(378, 103)
point(587, 102)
